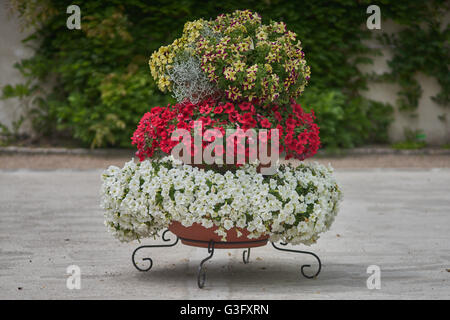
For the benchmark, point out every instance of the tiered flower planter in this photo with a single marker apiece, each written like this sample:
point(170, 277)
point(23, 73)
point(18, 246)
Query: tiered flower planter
point(234, 74)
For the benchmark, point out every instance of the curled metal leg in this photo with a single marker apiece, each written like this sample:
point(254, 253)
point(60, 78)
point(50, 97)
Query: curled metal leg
point(201, 276)
point(305, 265)
point(164, 238)
point(246, 256)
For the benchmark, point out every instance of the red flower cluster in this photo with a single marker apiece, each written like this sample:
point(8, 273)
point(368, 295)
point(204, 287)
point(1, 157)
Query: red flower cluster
point(299, 135)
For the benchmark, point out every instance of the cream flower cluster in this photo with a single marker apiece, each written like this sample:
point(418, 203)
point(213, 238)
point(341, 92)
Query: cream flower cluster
point(295, 205)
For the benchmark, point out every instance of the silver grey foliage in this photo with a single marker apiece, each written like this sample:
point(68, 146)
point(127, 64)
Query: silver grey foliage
point(190, 83)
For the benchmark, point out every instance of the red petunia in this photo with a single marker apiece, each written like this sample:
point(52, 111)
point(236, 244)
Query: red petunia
point(233, 116)
point(229, 108)
point(245, 106)
point(205, 120)
point(277, 116)
point(299, 135)
point(205, 109)
point(265, 123)
point(290, 122)
point(218, 109)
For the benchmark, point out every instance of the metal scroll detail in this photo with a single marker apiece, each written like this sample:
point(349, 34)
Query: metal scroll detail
point(201, 274)
point(164, 238)
point(305, 265)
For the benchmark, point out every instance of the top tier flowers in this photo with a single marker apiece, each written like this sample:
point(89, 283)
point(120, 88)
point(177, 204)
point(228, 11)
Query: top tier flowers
point(234, 57)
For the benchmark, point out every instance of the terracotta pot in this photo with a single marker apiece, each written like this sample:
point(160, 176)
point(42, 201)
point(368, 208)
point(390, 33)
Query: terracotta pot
point(199, 236)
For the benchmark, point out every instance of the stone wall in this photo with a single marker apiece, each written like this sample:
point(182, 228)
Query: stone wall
point(437, 132)
point(11, 51)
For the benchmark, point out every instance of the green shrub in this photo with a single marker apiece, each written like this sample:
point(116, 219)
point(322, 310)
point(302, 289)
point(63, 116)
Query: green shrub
point(414, 139)
point(347, 122)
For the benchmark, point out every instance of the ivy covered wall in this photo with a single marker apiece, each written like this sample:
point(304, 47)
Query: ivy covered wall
point(102, 85)
point(420, 114)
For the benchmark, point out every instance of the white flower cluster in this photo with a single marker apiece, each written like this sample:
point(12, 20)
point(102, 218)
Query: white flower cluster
point(295, 205)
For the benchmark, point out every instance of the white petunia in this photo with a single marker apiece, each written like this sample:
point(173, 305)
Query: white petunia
point(139, 200)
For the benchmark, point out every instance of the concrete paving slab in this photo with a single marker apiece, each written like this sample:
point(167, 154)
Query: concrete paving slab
point(397, 219)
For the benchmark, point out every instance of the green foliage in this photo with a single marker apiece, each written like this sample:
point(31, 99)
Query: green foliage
point(8, 135)
point(414, 139)
point(409, 145)
point(100, 84)
point(423, 46)
point(347, 123)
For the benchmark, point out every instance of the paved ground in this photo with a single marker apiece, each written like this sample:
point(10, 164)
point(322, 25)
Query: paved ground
point(61, 161)
point(396, 219)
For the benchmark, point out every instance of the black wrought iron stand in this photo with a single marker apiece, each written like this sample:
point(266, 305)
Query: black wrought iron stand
point(201, 274)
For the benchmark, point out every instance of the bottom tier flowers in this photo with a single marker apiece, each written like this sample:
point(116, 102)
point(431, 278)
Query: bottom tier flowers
point(295, 205)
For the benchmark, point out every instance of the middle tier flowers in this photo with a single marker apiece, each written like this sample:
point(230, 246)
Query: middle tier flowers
point(226, 133)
